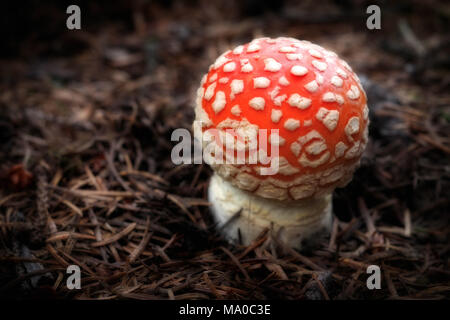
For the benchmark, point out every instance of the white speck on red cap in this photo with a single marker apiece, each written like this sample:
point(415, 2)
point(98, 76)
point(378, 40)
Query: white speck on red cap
point(294, 56)
point(311, 86)
point(336, 81)
point(287, 49)
point(237, 86)
point(353, 93)
point(220, 61)
point(246, 67)
point(341, 73)
point(329, 97)
point(315, 53)
point(213, 78)
point(319, 78)
point(257, 103)
point(276, 115)
point(279, 100)
point(238, 50)
point(236, 110)
point(291, 124)
point(219, 102)
point(340, 149)
point(229, 67)
point(298, 101)
point(253, 47)
point(261, 82)
point(272, 65)
point(299, 70)
point(329, 118)
point(210, 91)
point(319, 65)
point(283, 81)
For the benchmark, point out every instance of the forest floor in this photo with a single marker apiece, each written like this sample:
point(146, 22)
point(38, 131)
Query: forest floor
point(87, 178)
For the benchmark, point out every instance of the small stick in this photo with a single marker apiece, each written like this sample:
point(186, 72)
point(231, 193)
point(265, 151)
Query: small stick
point(115, 237)
point(236, 261)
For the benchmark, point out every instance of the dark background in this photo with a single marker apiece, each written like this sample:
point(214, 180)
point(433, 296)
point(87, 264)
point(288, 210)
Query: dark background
point(85, 124)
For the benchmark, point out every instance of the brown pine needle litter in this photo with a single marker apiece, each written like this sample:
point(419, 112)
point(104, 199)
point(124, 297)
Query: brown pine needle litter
point(86, 176)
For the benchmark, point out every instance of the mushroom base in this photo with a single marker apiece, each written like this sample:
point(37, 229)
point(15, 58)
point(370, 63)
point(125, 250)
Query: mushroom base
point(293, 222)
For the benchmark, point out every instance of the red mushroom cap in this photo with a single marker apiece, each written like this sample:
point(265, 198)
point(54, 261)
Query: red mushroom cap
point(309, 94)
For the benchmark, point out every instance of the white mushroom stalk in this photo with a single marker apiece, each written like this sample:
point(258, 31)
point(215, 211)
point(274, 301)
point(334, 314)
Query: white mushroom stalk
point(293, 119)
point(243, 216)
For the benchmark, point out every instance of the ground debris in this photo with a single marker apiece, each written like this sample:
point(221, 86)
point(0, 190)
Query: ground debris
point(88, 178)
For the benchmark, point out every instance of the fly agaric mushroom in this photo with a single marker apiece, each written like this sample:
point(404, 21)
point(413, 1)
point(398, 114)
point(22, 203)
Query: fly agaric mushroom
point(319, 107)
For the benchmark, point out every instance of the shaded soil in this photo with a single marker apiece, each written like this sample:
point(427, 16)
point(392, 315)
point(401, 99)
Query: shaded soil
point(86, 178)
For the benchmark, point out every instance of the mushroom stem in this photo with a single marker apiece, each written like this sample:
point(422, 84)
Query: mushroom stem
point(292, 222)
